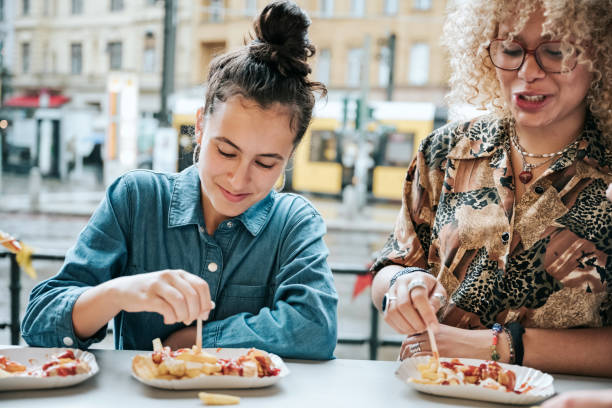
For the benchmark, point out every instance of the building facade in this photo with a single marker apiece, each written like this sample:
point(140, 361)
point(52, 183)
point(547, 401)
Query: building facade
point(406, 32)
point(72, 45)
point(7, 41)
point(64, 54)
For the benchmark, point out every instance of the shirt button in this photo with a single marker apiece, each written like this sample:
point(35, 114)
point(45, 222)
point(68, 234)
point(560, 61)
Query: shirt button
point(212, 267)
point(539, 189)
point(505, 237)
point(230, 224)
point(68, 341)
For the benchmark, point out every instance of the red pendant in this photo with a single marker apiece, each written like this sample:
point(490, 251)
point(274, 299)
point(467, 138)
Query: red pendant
point(525, 176)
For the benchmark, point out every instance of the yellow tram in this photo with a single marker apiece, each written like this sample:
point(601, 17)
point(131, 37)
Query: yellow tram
point(395, 131)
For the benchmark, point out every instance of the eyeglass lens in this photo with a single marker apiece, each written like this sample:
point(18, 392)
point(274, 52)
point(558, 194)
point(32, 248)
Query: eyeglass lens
point(510, 55)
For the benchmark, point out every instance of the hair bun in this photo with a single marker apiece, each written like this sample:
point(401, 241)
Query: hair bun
point(281, 38)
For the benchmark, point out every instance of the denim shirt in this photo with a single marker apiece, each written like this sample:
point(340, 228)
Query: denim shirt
point(266, 269)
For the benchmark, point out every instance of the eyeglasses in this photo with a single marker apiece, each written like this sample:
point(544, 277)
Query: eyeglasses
point(549, 55)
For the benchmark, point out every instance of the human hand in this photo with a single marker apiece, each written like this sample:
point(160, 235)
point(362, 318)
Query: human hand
point(451, 342)
point(591, 399)
point(415, 299)
point(177, 295)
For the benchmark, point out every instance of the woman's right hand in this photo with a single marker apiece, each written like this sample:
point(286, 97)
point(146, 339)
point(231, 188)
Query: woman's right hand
point(177, 295)
point(413, 307)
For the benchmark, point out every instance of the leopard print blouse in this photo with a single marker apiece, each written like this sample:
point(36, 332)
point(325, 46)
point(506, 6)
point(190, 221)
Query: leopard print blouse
point(545, 261)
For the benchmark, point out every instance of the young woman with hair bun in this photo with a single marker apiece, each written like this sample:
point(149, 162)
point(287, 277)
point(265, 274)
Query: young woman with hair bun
point(214, 242)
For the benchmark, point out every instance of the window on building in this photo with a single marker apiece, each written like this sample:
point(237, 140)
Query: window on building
point(323, 146)
point(357, 8)
point(326, 7)
point(250, 7)
point(391, 7)
point(419, 64)
point(77, 7)
point(25, 7)
point(46, 58)
point(25, 58)
point(324, 66)
point(115, 53)
point(384, 66)
point(215, 13)
point(76, 58)
point(148, 61)
point(422, 4)
point(353, 77)
point(116, 5)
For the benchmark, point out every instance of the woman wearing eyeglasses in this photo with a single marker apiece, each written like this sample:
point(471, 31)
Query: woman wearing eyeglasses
point(503, 245)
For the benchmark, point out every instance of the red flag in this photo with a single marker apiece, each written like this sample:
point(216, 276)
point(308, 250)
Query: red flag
point(361, 283)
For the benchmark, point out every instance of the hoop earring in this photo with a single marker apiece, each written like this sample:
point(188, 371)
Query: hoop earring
point(196, 153)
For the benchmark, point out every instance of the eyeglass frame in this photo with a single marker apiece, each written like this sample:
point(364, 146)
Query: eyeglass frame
point(528, 51)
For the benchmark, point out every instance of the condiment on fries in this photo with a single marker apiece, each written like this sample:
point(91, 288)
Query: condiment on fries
point(163, 363)
point(61, 365)
point(454, 372)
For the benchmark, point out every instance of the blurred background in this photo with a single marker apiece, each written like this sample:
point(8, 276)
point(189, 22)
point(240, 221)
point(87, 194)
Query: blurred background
point(91, 89)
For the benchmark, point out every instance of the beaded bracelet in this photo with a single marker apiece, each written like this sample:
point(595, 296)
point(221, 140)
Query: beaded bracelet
point(496, 329)
point(405, 271)
point(510, 345)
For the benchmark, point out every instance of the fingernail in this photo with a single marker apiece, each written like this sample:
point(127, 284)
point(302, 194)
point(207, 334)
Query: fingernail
point(212, 304)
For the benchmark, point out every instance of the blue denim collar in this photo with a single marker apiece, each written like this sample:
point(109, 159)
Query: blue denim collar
point(186, 204)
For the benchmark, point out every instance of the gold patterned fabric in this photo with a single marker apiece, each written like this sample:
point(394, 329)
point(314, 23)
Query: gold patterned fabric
point(545, 261)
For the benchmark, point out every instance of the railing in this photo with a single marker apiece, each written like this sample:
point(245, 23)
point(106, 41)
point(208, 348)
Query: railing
point(372, 339)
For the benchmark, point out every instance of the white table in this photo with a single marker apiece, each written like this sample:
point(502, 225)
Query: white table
point(335, 384)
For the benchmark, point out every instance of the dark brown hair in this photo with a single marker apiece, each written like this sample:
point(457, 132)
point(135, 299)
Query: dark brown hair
point(272, 68)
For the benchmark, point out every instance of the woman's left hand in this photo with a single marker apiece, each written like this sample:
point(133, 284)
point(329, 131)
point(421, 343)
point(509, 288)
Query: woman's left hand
point(452, 342)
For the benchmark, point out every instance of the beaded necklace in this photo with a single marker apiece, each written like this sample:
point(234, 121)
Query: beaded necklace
point(526, 173)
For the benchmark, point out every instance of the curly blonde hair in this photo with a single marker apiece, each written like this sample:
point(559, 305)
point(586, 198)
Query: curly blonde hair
point(472, 24)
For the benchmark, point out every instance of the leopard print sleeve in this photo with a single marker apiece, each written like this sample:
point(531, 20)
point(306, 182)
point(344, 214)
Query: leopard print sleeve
point(408, 244)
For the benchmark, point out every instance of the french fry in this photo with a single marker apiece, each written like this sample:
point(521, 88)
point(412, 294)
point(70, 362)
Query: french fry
point(144, 367)
point(157, 345)
point(193, 369)
point(218, 399)
point(23, 252)
point(197, 356)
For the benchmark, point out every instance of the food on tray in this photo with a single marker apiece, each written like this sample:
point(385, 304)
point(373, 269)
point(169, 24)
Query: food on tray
point(163, 363)
point(218, 399)
point(9, 368)
point(488, 375)
point(62, 364)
